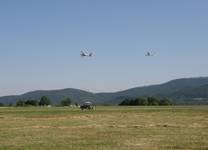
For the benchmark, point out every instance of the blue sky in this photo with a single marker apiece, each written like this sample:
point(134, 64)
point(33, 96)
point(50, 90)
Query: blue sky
point(40, 42)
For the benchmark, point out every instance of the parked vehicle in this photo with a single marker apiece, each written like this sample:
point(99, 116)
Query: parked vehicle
point(87, 105)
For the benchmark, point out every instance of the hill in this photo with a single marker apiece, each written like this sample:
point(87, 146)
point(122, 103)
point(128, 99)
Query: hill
point(182, 91)
point(55, 96)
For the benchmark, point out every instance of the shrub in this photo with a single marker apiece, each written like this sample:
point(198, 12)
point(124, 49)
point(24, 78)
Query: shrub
point(44, 101)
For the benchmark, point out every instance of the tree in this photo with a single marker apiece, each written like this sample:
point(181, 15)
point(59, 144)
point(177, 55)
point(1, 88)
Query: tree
point(31, 102)
point(1, 104)
point(66, 101)
point(10, 105)
point(76, 104)
point(125, 102)
point(20, 103)
point(136, 102)
point(152, 101)
point(143, 101)
point(166, 101)
point(44, 101)
point(146, 101)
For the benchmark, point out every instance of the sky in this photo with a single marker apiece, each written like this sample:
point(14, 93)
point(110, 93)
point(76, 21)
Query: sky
point(41, 40)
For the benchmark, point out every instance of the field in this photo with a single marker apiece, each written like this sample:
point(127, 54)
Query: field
point(106, 128)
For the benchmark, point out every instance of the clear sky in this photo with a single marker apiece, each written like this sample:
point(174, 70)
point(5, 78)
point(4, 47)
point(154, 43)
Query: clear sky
point(40, 43)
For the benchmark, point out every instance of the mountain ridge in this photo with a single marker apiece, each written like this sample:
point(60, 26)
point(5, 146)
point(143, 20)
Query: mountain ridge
point(182, 90)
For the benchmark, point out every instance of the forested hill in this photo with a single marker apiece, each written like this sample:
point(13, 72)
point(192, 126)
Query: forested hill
point(186, 90)
point(55, 96)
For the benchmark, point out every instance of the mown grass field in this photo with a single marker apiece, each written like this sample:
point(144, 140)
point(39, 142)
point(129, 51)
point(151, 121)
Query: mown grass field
point(106, 128)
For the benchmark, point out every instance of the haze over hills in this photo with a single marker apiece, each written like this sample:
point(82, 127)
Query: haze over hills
point(181, 91)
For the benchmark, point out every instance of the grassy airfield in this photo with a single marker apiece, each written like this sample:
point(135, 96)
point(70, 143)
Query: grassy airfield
point(106, 128)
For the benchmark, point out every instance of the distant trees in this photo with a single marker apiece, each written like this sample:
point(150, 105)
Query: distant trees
point(1, 104)
point(10, 105)
point(44, 101)
point(20, 103)
point(166, 101)
point(26, 103)
point(66, 101)
point(143, 101)
point(76, 104)
point(146, 101)
point(153, 101)
point(31, 102)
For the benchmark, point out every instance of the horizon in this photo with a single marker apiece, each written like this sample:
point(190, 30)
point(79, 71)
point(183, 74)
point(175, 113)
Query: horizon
point(41, 43)
point(102, 91)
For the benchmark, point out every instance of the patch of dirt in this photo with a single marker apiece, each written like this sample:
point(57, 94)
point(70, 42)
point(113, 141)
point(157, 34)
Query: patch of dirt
point(40, 127)
point(54, 127)
point(49, 117)
point(166, 125)
point(140, 142)
point(68, 127)
point(124, 126)
point(82, 117)
point(197, 125)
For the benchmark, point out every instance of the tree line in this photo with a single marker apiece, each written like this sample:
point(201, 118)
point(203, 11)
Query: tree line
point(44, 101)
point(146, 101)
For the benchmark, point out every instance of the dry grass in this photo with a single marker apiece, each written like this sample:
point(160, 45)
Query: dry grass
point(106, 128)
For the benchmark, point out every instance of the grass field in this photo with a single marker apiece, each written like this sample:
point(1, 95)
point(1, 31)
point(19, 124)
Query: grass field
point(106, 128)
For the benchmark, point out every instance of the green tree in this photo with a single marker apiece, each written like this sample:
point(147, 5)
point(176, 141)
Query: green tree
point(136, 102)
point(76, 104)
point(20, 103)
point(44, 101)
point(132, 102)
point(143, 101)
point(31, 102)
point(166, 101)
point(153, 101)
point(10, 105)
point(125, 102)
point(66, 101)
point(1, 104)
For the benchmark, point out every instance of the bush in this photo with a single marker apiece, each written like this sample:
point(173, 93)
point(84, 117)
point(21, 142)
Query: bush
point(166, 101)
point(20, 103)
point(31, 103)
point(44, 101)
point(153, 101)
point(66, 102)
point(125, 102)
point(149, 101)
